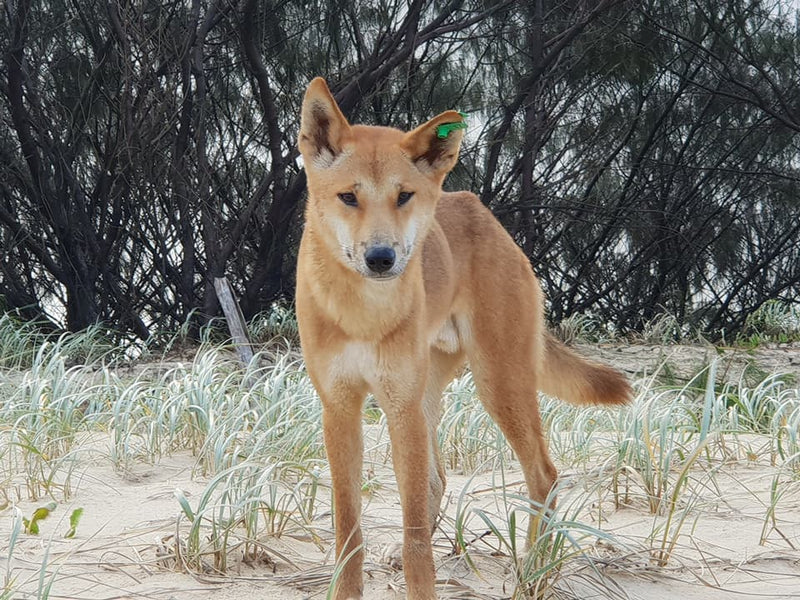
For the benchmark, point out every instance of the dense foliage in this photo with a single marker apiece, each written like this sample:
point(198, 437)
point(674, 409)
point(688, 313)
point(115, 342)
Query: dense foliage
point(643, 154)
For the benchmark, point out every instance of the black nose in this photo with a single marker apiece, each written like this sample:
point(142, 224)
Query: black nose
point(379, 259)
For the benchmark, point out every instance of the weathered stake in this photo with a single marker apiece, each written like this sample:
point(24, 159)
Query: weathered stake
point(235, 319)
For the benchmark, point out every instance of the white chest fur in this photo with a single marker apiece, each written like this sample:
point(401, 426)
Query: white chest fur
point(357, 361)
point(360, 361)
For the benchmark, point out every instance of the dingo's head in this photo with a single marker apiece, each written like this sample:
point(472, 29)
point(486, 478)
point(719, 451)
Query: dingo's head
point(372, 190)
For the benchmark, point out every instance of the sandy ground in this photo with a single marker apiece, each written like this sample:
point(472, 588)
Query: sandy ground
point(129, 521)
point(127, 534)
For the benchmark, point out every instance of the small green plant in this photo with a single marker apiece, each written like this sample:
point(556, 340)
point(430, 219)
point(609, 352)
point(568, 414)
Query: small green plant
point(74, 519)
point(40, 514)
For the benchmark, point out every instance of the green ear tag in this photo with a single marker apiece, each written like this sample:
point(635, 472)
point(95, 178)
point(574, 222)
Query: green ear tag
point(443, 130)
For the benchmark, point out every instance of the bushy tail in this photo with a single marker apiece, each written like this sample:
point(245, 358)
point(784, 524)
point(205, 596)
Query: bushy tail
point(577, 380)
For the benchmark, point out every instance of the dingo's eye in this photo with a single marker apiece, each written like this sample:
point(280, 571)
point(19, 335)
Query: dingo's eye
point(404, 197)
point(349, 198)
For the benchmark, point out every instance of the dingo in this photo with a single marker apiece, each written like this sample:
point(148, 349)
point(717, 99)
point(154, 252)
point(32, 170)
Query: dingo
point(398, 286)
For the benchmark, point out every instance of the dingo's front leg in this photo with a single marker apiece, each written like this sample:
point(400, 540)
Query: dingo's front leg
point(442, 370)
point(408, 430)
point(341, 419)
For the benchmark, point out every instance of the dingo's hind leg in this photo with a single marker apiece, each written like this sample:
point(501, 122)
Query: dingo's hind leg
point(509, 395)
point(504, 350)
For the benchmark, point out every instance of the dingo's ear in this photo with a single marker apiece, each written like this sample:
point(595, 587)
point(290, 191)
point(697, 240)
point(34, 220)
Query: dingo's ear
point(434, 146)
point(323, 127)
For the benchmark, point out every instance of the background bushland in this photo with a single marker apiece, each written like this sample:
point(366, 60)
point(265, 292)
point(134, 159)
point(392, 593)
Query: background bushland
point(643, 154)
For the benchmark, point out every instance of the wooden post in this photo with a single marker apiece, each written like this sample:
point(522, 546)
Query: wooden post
point(235, 319)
